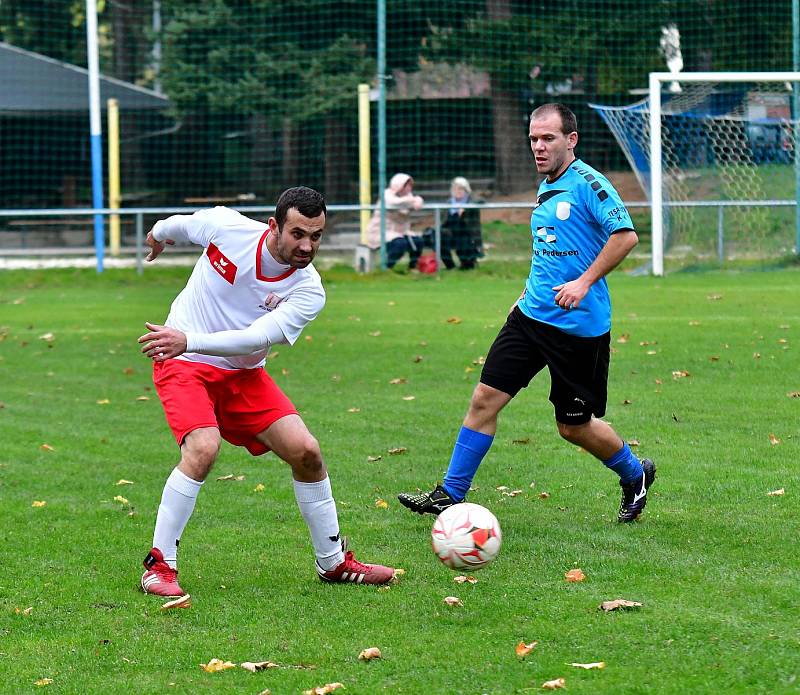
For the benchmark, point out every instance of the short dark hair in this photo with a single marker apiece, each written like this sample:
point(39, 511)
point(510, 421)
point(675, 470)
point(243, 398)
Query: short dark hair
point(569, 124)
point(307, 201)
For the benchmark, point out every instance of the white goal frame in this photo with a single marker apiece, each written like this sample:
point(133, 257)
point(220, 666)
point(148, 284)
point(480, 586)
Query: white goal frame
point(656, 181)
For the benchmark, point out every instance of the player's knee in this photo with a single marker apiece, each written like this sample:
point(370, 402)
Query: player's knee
point(572, 433)
point(200, 450)
point(484, 401)
point(306, 455)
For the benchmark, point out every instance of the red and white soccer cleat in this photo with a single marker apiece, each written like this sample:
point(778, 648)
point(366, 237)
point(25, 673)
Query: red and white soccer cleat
point(351, 570)
point(159, 578)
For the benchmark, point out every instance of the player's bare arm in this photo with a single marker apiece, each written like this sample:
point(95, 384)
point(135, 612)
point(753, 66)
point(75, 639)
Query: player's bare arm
point(156, 247)
point(162, 342)
point(570, 294)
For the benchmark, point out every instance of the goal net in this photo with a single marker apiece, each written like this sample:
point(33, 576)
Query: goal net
point(715, 154)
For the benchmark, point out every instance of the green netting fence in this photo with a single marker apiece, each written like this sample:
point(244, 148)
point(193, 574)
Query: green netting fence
point(232, 101)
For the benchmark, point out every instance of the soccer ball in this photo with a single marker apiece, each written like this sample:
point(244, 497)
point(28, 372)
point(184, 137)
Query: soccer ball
point(466, 536)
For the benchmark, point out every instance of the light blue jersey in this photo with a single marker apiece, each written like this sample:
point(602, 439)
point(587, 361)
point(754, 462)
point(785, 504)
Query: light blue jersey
point(573, 218)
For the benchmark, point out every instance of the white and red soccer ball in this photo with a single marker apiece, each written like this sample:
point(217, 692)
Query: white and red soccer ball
point(466, 536)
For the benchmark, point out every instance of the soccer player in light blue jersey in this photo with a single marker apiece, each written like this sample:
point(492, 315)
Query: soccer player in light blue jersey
point(581, 232)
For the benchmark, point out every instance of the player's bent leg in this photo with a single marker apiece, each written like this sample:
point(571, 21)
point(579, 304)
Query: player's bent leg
point(598, 438)
point(472, 444)
point(198, 452)
point(290, 439)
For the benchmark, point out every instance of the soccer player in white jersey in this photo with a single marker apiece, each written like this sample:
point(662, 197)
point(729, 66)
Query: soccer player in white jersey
point(253, 287)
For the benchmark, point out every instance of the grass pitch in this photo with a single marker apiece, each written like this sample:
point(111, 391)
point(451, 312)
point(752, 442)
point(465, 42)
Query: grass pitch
point(704, 376)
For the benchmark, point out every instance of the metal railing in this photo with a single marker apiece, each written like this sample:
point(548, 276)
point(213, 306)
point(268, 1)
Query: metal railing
point(138, 216)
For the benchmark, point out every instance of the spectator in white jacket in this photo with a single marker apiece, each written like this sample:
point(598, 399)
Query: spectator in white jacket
point(400, 201)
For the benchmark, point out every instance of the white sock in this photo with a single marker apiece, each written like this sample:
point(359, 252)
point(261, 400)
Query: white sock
point(177, 505)
point(319, 511)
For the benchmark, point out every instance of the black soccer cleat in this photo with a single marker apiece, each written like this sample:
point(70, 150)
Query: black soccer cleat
point(427, 502)
point(634, 496)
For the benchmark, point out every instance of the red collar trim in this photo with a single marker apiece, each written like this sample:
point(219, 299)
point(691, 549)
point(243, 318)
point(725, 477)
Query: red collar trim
point(259, 251)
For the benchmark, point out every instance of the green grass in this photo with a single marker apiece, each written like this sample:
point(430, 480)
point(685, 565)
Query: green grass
point(714, 561)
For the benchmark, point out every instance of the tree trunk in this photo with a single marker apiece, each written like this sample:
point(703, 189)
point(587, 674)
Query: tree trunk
point(129, 52)
point(337, 168)
point(291, 163)
point(512, 161)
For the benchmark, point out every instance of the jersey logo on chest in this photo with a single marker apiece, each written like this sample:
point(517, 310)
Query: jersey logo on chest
point(271, 302)
point(221, 263)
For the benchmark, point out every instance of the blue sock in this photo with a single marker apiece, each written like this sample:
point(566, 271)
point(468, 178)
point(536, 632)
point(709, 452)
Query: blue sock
point(625, 465)
point(468, 452)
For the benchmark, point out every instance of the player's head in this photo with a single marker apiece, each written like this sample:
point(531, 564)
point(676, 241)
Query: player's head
point(296, 229)
point(553, 136)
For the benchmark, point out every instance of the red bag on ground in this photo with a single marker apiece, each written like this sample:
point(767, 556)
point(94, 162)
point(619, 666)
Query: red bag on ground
point(427, 263)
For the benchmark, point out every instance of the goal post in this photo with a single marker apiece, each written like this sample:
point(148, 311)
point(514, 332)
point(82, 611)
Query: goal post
point(730, 153)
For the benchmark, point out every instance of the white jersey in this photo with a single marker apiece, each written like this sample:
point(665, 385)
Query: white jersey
point(236, 285)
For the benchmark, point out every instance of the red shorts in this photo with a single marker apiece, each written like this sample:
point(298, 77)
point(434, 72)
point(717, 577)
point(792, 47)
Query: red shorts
point(241, 403)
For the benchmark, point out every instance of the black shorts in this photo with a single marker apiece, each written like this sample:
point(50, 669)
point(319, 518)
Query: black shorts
point(578, 366)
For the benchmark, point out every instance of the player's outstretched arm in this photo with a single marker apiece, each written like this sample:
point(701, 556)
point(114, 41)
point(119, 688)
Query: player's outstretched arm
point(162, 342)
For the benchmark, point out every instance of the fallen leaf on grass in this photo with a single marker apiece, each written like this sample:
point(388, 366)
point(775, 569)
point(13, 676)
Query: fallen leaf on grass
point(619, 604)
point(418, 358)
point(756, 355)
point(24, 611)
point(38, 503)
point(121, 499)
point(399, 380)
point(259, 488)
point(468, 578)
point(254, 666)
point(627, 401)
point(454, 320)
point(409, 398)
point(324, 689)
point(142, 398)
point(522, 650)
point(793, 394)
point(231, 476)
point(633, 442)
point(375, 334)
point(103, 401)
point(47, 337)
point(47, 447)
point(381, 504)
point(544, 495)
point(588, 667)
point(354, 410)
point(554, 684)
point(398, 572)
point(369, 654)
point(776, 493)
point(184, 601)
point(397, 450)
point(714, 297)
point(680, 374)
point(215, 665)
point(43, 681)
point(372, 459)
point(512, 493)
point(501, 488)
point(453, 601)
point(773, 440)
point(526, 440)
point(575, 575)
point(624, 338)
point(694, 323)
point(122, 481)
